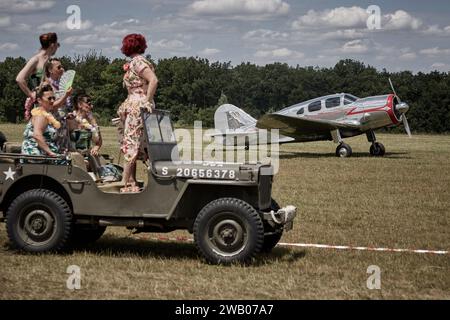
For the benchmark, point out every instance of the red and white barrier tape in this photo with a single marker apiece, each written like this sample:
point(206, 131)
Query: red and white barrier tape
point(312, 245)
point(326, 246)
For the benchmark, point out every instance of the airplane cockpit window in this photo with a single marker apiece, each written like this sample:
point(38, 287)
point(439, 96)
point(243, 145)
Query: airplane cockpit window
point(333, 102)
point(301, 111)
point(315, 106)
point(348, 99)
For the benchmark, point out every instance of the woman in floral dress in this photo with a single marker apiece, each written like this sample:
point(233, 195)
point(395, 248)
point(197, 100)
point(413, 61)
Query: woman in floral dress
point(141, 82)
point(41, 131)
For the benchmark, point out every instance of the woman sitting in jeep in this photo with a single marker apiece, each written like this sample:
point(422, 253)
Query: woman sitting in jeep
point(41, 131)
point(84, 128)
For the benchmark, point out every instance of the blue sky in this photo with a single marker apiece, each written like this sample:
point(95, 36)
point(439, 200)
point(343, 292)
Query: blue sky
point(413, 35)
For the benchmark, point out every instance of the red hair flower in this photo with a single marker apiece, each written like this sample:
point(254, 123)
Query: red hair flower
point(126, 67)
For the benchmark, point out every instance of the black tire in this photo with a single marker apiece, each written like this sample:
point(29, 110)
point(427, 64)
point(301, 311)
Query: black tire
point(39, 220)
point(85, 234)
point(377, 149)
point(228, 230)
point(271, 240)
point(343, 150)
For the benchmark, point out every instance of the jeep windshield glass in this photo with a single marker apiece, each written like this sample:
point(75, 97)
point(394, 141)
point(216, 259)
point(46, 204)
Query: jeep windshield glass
point(159, 127)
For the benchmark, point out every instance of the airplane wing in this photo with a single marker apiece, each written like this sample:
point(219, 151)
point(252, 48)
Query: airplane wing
point(297, 127)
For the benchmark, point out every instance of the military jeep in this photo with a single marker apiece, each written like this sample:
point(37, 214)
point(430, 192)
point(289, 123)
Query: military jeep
point(50, 203)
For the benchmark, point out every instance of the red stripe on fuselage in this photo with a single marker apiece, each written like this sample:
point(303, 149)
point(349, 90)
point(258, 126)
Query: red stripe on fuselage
point(388, 104)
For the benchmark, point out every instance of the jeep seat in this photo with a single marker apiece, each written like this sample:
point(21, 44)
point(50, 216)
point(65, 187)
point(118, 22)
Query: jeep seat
point(12, 147)
point(78, 160)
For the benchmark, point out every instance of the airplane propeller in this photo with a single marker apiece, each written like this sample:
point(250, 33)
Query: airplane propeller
point(402, 108)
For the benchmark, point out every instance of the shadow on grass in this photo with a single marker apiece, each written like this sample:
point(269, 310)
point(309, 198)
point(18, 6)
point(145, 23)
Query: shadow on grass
point(120, 246)
point(111, 246)
point(293, 155)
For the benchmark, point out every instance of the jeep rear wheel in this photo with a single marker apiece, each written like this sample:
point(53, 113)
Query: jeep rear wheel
point(228, 230)
point(39, 220)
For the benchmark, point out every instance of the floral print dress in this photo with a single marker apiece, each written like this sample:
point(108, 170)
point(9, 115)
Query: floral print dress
point(130, 110)
point(30, 145)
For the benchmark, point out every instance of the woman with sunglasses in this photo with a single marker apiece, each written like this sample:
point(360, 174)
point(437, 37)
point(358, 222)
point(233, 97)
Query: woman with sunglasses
point(62, 107)
point(85, 128)
point(34, 68)
point(41, 131)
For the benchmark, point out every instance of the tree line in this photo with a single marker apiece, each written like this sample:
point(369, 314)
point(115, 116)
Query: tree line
point(191, 88)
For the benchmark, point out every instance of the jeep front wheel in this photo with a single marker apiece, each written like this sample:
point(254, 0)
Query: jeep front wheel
point(228, 230)
point(39, 220)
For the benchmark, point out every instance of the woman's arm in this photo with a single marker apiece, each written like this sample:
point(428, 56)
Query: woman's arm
point(149, 75)
point(39, 125)
point(97, 138)
point(58, 103)
point(23, 75)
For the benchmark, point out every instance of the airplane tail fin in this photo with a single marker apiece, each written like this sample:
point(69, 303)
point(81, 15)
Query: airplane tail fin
point(229, 117)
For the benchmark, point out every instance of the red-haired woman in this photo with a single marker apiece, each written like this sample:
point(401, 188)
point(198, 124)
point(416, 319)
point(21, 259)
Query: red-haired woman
point(141, 83)
point(35, 68)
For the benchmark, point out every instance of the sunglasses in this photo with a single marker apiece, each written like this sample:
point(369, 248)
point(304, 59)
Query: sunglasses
point(88, 101)
point(52, 98)
point(60, 67)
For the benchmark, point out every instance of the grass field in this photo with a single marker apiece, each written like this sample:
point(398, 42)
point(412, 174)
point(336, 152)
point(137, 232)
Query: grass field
point(401, 201)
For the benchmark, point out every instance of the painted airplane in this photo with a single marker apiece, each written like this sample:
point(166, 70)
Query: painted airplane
point(331, 117)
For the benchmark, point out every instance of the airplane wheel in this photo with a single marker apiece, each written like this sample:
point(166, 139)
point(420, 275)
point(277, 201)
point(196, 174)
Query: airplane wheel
point(377, 149)
point(343, 150)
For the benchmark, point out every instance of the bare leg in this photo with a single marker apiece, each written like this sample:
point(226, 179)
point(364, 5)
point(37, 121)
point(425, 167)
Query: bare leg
point(127, 167)
point(133, 173)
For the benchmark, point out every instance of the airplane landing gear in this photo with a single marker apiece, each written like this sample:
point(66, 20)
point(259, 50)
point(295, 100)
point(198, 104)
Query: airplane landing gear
point(377, 149)
point(343, 150)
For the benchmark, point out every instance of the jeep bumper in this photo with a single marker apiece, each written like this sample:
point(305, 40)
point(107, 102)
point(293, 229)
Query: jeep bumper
point(283, 217)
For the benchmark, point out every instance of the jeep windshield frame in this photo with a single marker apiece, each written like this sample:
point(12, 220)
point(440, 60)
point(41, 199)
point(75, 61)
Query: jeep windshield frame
point(159, 135)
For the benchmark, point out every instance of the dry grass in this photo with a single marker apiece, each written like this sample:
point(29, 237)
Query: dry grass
point(401, 200)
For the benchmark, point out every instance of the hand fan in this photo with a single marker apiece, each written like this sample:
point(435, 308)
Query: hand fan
point(65, 82)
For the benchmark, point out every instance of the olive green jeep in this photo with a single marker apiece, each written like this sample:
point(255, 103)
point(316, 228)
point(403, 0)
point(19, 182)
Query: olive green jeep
point(50, 203)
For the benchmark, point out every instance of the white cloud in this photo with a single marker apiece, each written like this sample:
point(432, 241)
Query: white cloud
point(347, 34)
point(8, 46)
point(104, 34)
point(401, 20)
point(209, 52)
point(436, 51)
point(355, 17)
point(239, 8)
point(5, 21)
point(355, 47)
point(21, 27)
point(25, 6)
point(408, 56)
point(279, 54)
point(165, 44)
point(90, 39)
point(342, 17)
point(262, 35)
point(439, 66)
point(125, 23)
point(61, 26)
point(435, 30)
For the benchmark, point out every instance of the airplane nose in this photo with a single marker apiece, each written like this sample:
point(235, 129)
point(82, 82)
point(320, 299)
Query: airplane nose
point(402, 107)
